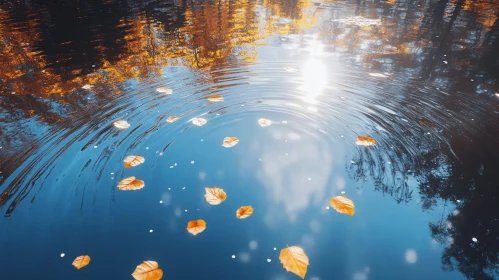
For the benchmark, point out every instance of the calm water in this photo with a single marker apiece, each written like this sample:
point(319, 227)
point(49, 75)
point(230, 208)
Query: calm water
point(420, 77)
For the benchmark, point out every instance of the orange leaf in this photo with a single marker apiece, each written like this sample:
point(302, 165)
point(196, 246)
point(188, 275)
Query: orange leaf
point(365, 141)
point(121, 124)
point(230, 142)
point(342, 205)
point(130, 184)
point(148, 270)
point(244, 212)
point(196, 226)
point(81, 261)
point(215, 98)
point(215, 196)
point(164, 90)
point(132, 161)
point(172, 119)
point(263, 122)
point(294, 259)
point(199, 121)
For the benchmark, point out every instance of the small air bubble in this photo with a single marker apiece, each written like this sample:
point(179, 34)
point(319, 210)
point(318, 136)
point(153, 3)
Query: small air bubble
point(112, 173)
point(284, 122)
point(175, 164)
point(171, 166)
point(161, 201)
point(242, 105)
point(458, 200)
point(474, 239)
point(342, 192)
point(62, 255)
point(309, 178)
point(183, 188)
point(185, 210)
point(275, 248)
point(233, 256)
point(327, 207)
point(150, 230)
point(286, 153)
point(169, 188)
point(147, 148)
point(95, 147)
point(201, 140)
point(269, 260)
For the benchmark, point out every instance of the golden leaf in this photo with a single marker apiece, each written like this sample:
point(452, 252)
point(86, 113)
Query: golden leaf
point(215, 98)
point(164, 90)
point(342, 205)
point(264, 122)
point(121, 124)
point(230, 142)
point(132, 161)
point(81, 261)
point(199, 121)
point(294, 259)
point(365, 141)
point(130, 184)
point(215, 196)
point(148, 270)
point(244, 212)
point(172, 119)
point(196, 226)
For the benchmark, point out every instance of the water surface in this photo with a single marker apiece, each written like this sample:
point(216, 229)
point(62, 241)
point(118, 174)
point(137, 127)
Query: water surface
point(419, 77)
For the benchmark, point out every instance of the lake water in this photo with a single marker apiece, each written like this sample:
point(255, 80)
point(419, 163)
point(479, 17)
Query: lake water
point(421, 78)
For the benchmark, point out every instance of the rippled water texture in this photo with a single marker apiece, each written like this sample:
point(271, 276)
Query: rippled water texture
point(418, 77)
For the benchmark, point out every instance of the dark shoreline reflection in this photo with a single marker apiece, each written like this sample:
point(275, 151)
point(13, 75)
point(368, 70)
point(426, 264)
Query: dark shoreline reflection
point(440, 60)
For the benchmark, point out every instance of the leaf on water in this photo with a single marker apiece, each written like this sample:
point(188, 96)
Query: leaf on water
point(230, 142)
point(199, 121)
point(378, 75)
point(244, 212)
point(81, 261)
point(172, 119)
point(215, 196)
point(342, 205)
point(215, 98)
point(121, 124)
point(130, 184)
point(294, 260)
point(196, 226)
point(164, 90)
point(132, 161)
point(87, 86)
point(263, 122)
point(148, 270)
point(365, 141)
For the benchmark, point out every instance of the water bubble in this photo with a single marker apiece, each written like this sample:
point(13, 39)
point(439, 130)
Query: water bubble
point(161, 201)
point(411, 256)
point(192, 162)
point(474, 239)
point(269, 260)
point(171, 166)
point(62, 255)
point(175, 164)
point(150, 230)
point(275, 248)
point(233, 256)
point(95, 147)
point(327, 207)
point(309, 178)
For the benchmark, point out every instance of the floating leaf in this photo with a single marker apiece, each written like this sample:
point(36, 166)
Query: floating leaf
point(164, 90)
point(121, 124)
point(342, 205)
point(244, 212)
point(365, 141)
point(196, 226)
point(199, 121)
point(378, 75)
point(230, 142)
point(172, 119)
point(215, 196)
point(81, 261)
point(293, 259)
point(132, 161)
point(263, 122)
point(215, 98)
point(148, 270)
point(130, 184)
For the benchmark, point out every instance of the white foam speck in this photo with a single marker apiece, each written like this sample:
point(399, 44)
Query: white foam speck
point(192, 162)
point(95, 147)
point(171, 166)
point(327, 207)
point(161, 201)
point(62, 255)
point(150, 230)
point(275, 248)
point(269, 260)
point(474, 239)
point(233, 256)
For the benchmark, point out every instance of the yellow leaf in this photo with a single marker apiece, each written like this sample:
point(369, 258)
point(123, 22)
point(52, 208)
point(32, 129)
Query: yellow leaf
point(130, 184)
point(294, 259)
point(121, 124)
point(365, 141)
point(230, 142)
point(264, 122)
point(148, 270)
point(132, 161)
point(172, 119)
point(164, 90)
point(215, 98)
point(215, 196)
point(244, 212)
point(196, 226)
point(199, 121)
point(81, 261)
point(342, 205)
